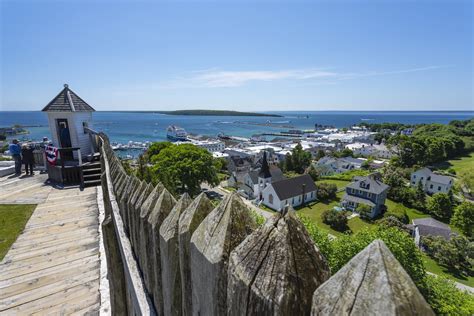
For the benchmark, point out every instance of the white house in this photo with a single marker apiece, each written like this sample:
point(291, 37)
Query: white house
point(294, 191)
point(68, 116)
point(432, 182)
point(375, 150)
point(329, 165)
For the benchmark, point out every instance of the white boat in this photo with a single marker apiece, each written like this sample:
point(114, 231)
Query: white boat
point(176, 133)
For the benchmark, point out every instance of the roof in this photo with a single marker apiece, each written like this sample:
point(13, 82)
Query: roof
point(67, 101)
point(264, 170)
point(275, 173)
point(368, 184)
point(289, 188)
point(431, 226)
point(357, 200)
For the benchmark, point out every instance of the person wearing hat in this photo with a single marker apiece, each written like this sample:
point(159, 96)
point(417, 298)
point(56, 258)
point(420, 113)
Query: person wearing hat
point(28, 157)
point(15, 151)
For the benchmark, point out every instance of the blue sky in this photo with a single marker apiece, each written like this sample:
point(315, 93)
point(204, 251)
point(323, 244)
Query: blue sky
point(241, 55)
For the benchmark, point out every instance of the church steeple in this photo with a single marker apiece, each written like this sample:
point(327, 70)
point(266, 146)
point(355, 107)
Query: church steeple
point(265, 169)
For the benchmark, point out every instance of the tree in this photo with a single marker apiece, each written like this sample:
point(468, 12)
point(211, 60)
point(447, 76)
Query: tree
point(299, 159)
point(320, 238)
point(182, 168)
point(445, 298)
point(336, 219)
point(155, 149)
point(439, 205)
point(314, 174)
point(455, 254)
point(390, 221)
point(364, 211)
point(326, 191)
point(420, 196)
point(320, 154)
point(463, 218)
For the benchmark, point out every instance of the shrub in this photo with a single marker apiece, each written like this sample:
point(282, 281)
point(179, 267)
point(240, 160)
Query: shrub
point(320, 238)
point(326, 191)
point(400, 215)
point(336, 219)
point(445, 298)
point(364, 211)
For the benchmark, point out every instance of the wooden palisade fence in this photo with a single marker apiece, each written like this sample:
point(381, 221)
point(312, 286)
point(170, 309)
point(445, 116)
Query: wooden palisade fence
point(186, 257)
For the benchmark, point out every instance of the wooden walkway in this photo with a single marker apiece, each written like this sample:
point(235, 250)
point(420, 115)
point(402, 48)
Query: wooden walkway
point(53, 267)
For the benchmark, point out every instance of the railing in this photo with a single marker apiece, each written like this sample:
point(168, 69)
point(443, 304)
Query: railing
point(187, 257)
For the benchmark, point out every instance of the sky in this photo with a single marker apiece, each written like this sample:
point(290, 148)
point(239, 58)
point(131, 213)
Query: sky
point(239, 55)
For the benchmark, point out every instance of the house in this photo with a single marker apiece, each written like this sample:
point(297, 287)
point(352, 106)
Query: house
point(251, 180)
point(239, 164)
point(330, 165)
point(431, 182)
point(366, 190)
point(423, 227)
point(374, 150)
point(294, 191)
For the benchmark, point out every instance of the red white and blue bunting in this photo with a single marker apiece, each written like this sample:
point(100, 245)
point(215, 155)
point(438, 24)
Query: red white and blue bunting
point(51, 154)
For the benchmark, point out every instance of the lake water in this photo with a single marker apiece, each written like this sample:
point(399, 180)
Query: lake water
point(142, 126)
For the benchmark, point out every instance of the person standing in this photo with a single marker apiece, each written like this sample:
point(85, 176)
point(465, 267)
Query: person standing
point(15, 151)
point(28, 158)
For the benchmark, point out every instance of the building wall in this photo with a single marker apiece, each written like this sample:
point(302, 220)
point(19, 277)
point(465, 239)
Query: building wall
point(76, 129)
point(278, 205)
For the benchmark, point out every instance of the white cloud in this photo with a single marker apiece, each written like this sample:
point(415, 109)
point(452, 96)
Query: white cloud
point(214, 78)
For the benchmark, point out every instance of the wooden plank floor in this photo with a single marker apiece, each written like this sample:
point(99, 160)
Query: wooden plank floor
point(53, 267)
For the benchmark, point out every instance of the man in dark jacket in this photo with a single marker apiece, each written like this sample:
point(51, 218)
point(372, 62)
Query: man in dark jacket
point(28, 158)
point(15, 151)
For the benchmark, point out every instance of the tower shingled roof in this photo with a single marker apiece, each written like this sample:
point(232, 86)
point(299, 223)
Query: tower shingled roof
point(264, 170)
point(67, 101)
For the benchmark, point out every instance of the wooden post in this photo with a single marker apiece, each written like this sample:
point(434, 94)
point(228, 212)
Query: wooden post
point(218, 234)
point(169, 254)
point(145, 210)
point(275, 270)
point(188, 222)
point(153, 284)
point(371, 283)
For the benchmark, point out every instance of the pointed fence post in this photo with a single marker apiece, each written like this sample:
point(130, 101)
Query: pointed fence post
point(188, 222)
point(169, 250)
point(153, 284)
point(275, 270)
point(371, 283)
point(218, 234)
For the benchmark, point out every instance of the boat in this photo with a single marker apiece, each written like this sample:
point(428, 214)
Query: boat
point(176, 133)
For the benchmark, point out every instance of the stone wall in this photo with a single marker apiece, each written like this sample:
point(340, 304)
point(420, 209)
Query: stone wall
point(171, 256)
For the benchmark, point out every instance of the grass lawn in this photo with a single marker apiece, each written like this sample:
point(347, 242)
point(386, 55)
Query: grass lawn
point(458, 164)
point(412, 213)
point(314, 211)
point(339, 183)
point(433, 267)
point(13, 218)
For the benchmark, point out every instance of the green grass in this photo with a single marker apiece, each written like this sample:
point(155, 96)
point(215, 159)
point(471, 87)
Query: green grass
point(464, 168)
point(339, 183)
point(314, 210)
point(412, 213)
point(13, 218)
point(433, 267)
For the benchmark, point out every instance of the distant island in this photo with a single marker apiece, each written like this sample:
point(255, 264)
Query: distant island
point(214, 113)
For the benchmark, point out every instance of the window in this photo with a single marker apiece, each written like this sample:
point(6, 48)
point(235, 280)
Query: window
point(439, 188)
point(270, 198)
point(413, 182)
point(414, 176)
point(293, 201)
point(431, 186)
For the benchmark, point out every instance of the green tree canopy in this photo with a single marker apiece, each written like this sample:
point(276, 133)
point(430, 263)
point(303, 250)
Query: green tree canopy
point(439, 205)
point(182, 168)
point(298, 161)
point(463, 218)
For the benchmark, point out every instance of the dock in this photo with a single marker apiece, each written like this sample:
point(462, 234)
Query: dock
point(54, 265)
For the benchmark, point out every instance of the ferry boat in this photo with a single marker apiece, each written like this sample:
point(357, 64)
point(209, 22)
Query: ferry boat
point(176, 133)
